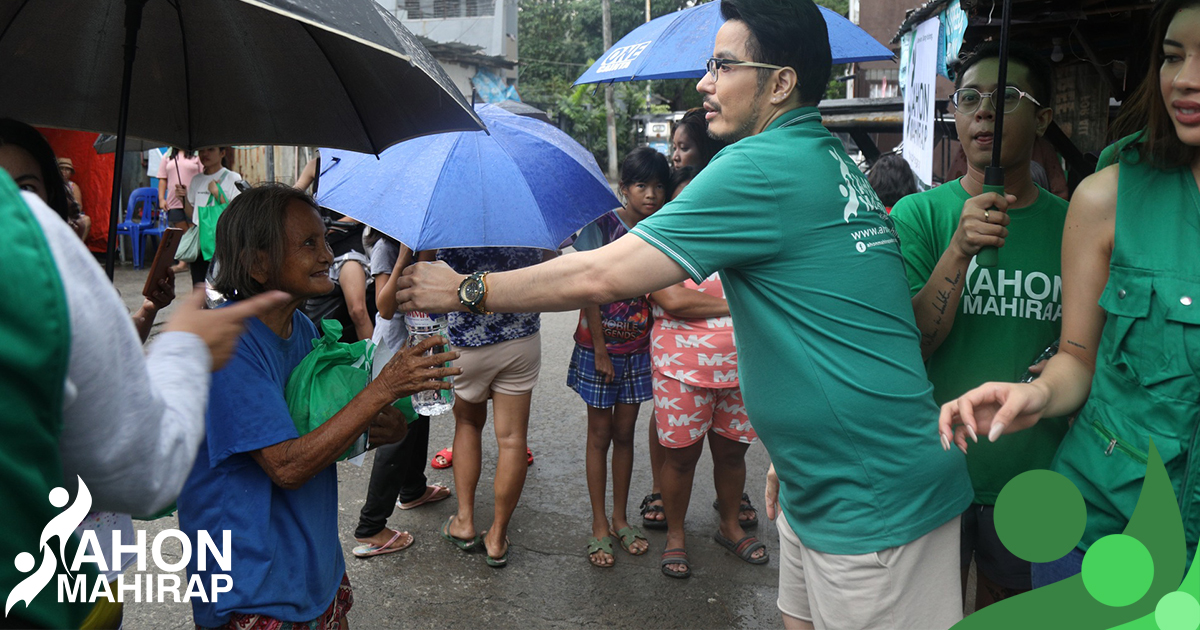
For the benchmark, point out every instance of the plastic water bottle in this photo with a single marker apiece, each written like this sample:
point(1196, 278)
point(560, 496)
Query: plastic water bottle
point(421, 326)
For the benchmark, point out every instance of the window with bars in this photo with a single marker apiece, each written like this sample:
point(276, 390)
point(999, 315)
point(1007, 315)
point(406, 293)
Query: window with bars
point(440, 9)
point(881, 82)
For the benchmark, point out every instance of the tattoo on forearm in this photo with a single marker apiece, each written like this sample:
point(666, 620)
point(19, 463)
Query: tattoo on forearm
point(1077, 345)
point(941, 302)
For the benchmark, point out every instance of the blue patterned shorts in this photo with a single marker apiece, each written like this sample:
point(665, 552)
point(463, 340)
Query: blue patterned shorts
point(631, 385)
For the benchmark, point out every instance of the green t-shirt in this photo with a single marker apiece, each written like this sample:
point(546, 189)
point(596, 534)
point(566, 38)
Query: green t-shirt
point(1006, 318)
point(828, 354)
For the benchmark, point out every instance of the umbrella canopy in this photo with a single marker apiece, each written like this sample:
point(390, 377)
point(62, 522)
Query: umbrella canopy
point(221, 72)
point(524, 184)
point(107, 143)
point(677, 45)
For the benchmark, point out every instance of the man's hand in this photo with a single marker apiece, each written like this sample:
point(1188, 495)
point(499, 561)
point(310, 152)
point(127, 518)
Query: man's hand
point(430, 287)
point(604, 365)
point(981, 223)
point(388, 427)
point(220, 328)
point(410, 371)
point(163, 294)
point(771, 494)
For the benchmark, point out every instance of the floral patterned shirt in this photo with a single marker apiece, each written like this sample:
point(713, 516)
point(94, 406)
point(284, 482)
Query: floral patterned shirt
point(470, 330)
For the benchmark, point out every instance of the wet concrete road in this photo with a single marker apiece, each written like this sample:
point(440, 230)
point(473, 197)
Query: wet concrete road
point(548, 582)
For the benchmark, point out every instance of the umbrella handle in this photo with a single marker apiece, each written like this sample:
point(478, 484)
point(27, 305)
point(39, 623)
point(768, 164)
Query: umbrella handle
point(993, 181)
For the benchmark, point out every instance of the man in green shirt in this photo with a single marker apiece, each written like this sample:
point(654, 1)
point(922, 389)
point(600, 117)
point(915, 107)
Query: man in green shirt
point(979, 324)
point(828, 350)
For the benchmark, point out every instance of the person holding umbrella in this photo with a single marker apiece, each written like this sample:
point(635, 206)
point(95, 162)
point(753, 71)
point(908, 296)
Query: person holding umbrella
point(213, 184)
point(1130, 335)
point(966, 338)
point(829, 357)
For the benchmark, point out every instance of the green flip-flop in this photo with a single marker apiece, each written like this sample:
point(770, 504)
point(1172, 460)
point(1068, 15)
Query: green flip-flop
point(496, 563)
point(462, 543)
point(629, 535)
point(601, 544)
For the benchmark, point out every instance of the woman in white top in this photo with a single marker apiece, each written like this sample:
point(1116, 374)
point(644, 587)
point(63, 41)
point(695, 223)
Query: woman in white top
point(213, 177)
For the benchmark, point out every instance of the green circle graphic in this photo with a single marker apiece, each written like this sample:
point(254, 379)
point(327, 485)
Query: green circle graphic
point(1040, 516)
point(1118, 570)
point(1177, 611)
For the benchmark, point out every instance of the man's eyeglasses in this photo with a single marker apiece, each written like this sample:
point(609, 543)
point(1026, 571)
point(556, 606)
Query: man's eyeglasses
point(968, 100)
point(716, 63)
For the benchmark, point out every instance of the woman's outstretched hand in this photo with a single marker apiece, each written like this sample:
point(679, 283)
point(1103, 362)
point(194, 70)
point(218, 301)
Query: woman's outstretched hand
point(992, 409)
point(410, 371)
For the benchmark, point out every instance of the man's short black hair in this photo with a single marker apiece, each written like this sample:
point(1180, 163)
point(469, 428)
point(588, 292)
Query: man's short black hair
point(1041, 76)
point(644, 165)
point(788, 33)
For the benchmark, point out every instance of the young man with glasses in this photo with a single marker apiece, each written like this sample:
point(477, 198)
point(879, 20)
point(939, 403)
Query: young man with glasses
point(979, 324)
point(828, 353)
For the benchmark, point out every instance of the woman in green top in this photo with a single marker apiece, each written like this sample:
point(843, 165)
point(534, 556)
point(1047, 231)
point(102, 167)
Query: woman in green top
point(1131, 312)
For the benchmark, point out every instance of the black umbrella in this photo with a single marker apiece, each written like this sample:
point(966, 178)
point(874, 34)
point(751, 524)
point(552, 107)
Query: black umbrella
point(334, 73)
point(993, 175)
point(107, 143)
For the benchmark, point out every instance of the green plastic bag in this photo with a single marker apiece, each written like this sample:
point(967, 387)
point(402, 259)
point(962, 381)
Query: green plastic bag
point(328, 378)
point(207, 219)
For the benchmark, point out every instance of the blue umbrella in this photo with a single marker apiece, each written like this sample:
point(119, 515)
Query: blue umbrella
point(676, 46)
point(527, 184)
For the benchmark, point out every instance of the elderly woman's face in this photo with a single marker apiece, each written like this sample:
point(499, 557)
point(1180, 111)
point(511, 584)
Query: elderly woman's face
point(306, 256)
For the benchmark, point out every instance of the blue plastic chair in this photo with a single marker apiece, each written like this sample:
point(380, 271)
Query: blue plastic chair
point(148, 198)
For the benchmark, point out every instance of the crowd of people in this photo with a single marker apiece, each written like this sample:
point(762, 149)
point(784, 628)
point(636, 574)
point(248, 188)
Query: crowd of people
point(857, 315)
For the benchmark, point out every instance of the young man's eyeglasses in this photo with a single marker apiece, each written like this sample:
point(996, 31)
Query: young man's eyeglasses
point(968, 100)
point(716, 63)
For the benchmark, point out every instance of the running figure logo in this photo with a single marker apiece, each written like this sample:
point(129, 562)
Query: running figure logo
point(61, 527)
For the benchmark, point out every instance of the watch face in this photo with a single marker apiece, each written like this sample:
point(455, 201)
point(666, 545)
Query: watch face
point(473, 291)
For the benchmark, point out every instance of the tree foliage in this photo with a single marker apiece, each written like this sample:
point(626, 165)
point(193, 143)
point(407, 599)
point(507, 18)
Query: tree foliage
point(559, 39)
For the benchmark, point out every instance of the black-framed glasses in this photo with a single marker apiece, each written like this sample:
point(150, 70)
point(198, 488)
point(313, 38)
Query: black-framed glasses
point(714, 64)
point(968, 100)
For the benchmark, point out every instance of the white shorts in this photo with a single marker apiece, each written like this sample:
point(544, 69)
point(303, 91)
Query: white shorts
point(913, 586)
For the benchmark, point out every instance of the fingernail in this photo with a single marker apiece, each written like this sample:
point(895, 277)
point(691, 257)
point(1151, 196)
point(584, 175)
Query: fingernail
point(994, 434)
point(971, 432)
point(945, 442)
point(962, 448)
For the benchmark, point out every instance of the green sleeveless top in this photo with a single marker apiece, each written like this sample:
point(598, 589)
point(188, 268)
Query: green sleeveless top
point(1147, 379)
point(35, 345)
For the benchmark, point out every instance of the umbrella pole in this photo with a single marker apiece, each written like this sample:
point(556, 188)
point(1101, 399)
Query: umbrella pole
point(133, 23)
point(993, 176)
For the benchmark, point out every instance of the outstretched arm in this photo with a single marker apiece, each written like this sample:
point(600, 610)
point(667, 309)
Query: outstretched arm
point(626, 268)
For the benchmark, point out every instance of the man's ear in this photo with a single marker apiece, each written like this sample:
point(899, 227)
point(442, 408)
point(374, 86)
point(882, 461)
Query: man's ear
point(785, 86)
point(1045, 116)
point(258, 270)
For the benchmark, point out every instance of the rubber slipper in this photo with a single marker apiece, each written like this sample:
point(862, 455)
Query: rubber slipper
point(528, 456)
point(676, 556)
point(447, 461)
point(746, 506)
point(596, 545)
point(433, 493)
point(462, 543)
point(496, 563)
point(629, 535)
point(744, 548)
point(368, 551)
point(651, 523)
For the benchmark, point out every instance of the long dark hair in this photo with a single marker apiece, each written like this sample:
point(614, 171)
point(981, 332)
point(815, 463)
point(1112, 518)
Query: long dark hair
point(696, 127)
point(21, 135)
point(1145, 110)
point(254, 223)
